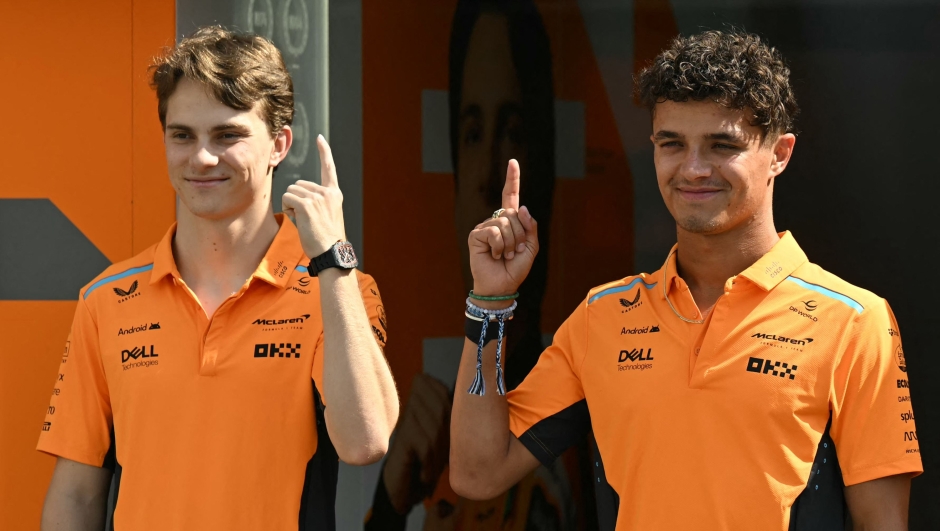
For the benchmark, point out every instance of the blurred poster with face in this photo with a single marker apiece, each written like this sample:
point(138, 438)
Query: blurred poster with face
point(451, 92)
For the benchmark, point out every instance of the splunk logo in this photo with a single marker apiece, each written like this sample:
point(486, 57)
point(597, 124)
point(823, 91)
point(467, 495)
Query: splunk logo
point(277, 350)
point(776, 368)
point(139, 357)
point(907, 417)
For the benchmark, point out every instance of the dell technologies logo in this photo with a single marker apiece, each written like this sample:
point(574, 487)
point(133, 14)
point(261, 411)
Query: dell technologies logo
point(139, 357)
point(635, 359)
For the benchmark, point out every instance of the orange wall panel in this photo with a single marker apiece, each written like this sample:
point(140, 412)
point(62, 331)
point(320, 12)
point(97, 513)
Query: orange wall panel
point(80, 128)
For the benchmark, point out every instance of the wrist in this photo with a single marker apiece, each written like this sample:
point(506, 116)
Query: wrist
point(491, 304)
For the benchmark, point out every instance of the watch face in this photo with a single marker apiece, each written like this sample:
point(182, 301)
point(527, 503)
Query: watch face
point(345, 255)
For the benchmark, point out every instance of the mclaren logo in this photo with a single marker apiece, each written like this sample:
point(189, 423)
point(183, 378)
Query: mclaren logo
point(782, 339)
point(277, 322)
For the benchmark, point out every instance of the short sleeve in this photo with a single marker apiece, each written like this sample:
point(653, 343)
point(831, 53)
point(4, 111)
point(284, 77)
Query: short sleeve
point(377, 322)
point(872, 414)
point(547, 411)
point(78, 421)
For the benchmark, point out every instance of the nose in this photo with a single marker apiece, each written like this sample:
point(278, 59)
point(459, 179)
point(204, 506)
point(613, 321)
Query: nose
point(694, 166)
point(203, 158)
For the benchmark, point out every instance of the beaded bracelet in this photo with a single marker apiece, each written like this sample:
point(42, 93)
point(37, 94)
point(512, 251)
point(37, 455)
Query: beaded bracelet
point(484, 316)
point(494, 297)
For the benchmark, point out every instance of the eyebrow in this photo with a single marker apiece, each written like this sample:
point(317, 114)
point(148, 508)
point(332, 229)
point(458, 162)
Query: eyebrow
point(663, 135)
point(228, 126)
point(730, 137)
point(671, 135)
point(471, 111)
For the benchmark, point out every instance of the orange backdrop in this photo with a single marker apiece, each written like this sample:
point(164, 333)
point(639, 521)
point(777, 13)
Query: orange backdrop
point(79, 128)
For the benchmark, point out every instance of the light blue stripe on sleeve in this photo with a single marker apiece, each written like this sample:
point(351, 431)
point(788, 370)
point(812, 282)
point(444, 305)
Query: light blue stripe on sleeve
point(828, 292)
point(618, 289)
point(302, 269)
point(118, 276)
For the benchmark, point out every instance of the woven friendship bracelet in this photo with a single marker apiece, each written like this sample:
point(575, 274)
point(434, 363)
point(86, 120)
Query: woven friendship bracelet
point(494, 297)
point(479, 318)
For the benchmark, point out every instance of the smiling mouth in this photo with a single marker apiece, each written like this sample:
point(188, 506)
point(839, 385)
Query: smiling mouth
point(207, 182)
point(698, 194)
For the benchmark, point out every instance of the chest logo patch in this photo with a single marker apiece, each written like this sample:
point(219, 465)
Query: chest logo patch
point(629, 305)
point(776, 368)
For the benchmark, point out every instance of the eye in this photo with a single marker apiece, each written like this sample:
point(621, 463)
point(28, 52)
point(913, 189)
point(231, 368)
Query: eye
point(230, 137)
point(179, 136)
point(726, 146)
point(671, 144)
point(471, 135)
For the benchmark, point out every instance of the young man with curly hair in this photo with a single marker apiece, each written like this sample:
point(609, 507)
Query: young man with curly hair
point(740, 386)
point(223, 371)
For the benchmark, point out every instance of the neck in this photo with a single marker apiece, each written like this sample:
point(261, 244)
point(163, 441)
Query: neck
point(221, 254)
point(706, 261)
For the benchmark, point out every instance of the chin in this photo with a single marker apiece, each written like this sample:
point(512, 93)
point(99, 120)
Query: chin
point(701, 225)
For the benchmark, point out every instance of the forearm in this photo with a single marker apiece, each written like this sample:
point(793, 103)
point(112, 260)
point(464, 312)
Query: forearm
point(481, 460)
point(63, 513)
point(880, 504)
point(357, 385)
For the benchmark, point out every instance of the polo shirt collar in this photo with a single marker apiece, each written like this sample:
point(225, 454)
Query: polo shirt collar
point(283, 256)
point(780, 262)
point(771, 269)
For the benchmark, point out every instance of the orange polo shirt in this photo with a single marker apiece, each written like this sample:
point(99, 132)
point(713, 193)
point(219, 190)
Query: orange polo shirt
point(794, 386)
point(214, 423)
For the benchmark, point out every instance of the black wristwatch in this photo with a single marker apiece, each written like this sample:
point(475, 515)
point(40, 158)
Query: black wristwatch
point(341, 255)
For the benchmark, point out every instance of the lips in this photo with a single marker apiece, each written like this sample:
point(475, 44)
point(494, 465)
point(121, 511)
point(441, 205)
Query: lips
point(698, 194)
point(206, 182)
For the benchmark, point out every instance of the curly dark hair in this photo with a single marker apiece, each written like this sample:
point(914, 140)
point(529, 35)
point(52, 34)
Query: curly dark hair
point(733, 68)
point(239, 69)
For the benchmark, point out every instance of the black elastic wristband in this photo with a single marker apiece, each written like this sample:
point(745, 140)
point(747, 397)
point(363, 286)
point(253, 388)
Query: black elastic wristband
point(472, 328)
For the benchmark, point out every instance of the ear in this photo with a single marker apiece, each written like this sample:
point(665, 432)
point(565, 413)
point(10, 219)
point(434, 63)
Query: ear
point(282, 144)
point(782, 149)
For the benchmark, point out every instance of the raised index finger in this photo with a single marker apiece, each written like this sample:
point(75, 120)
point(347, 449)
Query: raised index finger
point(327, 167)
point(511, 188)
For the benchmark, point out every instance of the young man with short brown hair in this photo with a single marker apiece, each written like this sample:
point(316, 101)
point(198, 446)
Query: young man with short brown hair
point(224, 370)
point(738, 387)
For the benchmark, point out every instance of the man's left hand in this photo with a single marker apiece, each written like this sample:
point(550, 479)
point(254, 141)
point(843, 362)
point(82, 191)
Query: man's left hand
point(317, 209)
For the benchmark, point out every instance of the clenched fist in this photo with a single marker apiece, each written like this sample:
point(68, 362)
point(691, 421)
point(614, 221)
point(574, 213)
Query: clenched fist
point(317, 209)
point(502, 249)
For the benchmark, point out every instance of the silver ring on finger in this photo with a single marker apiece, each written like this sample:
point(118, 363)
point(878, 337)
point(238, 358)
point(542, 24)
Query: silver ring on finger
point(498, 213)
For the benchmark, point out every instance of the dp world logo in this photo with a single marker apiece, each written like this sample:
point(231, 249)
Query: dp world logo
point(810, 305)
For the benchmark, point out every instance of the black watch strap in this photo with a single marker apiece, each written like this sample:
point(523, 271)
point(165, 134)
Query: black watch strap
point(340, 255)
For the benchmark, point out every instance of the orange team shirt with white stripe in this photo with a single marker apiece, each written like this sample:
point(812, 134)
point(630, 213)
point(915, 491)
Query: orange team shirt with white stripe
point(211, 423)
point(793, 386)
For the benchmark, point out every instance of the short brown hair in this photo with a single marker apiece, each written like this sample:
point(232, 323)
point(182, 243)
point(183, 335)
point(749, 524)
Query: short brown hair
point(733, 68)
point(239, 69)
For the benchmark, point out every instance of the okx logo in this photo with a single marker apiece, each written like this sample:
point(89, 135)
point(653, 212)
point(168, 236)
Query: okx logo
point(277, 350)
point(139, 357)
point(776, 368)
